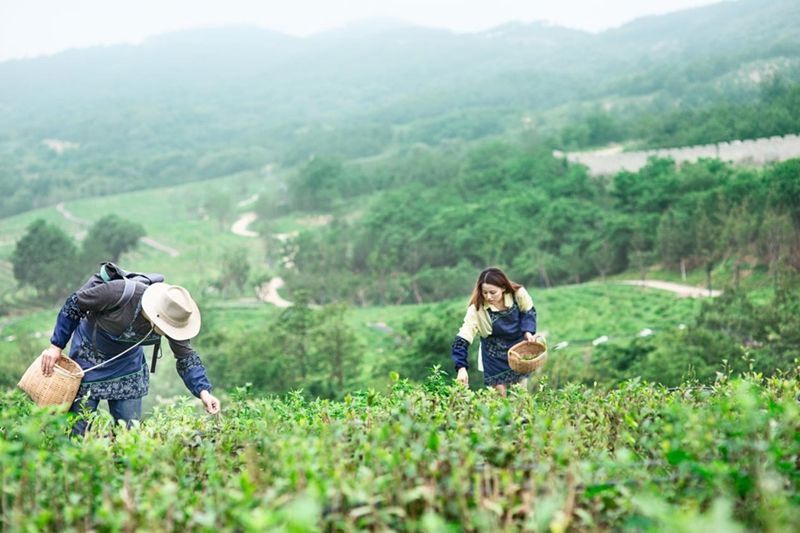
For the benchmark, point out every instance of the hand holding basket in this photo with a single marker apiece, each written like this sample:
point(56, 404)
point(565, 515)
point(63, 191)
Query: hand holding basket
point(59, 388)
point(527, 356)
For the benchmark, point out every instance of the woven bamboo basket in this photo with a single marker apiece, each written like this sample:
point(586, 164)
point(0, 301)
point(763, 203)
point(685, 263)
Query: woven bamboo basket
point(59, 388)
point(527, 356)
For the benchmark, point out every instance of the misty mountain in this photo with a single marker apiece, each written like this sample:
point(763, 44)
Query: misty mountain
point(201, 103)
point(399, 56)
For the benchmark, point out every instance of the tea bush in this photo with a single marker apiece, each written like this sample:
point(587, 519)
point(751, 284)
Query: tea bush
point(430, 456)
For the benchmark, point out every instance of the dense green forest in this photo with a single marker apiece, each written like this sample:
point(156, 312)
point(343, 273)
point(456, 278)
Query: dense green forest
point(514, 204)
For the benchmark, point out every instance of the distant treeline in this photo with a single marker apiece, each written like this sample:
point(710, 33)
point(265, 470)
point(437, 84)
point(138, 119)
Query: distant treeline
point(776, 112)
point(446, 217)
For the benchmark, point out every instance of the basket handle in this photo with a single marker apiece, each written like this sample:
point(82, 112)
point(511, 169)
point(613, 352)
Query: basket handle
point(65, 372)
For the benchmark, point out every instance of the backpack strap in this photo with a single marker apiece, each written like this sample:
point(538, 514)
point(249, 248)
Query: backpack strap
point(156, 356)
point(127, 293)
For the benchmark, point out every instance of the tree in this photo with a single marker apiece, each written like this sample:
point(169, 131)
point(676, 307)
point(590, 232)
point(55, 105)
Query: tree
point(219, 206)
point(602, 256)
point(602, 127)
point(336, 345)
point(252, 358)
point(774, 237)
point(235, 268)
point(573, 258)
point(45, 258)
point(675, 239)
point(110, 237)
point(293, 334)
point(316, 183)
point(784, 182)
point(427, 338)
point(707, 239)
point(640, 251)
point(739, 233)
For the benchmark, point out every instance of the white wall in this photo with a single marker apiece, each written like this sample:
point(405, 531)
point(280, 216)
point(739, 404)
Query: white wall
point(749, 152)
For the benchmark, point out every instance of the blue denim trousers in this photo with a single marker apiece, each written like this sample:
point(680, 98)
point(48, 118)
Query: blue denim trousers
point(127, 410)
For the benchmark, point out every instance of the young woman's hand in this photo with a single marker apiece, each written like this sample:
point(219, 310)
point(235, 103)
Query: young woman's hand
point(530, 337)
point(210, 401)
point(463, 376)
point(50, 356)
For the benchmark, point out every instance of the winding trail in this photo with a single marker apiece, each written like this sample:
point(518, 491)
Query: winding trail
point(686, 291)
point(268, 292)
point(172, 252)
point(69, 216)
point(160, 247)
point(248, 201)
point(240, 226)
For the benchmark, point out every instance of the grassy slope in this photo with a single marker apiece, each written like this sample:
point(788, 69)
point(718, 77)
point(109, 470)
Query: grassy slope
point(169, 215)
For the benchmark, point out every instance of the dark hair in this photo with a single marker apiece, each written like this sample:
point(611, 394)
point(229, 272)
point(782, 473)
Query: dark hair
point(493, 276)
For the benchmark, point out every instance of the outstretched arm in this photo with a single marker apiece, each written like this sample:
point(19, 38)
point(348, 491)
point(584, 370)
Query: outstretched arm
point(191, 370)
point(460, 348)
point(459, 352)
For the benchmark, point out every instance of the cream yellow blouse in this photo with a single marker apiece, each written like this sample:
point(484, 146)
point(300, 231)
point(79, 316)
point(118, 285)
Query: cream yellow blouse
point(478, 321)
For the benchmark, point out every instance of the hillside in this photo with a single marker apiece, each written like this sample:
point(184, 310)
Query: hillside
point(387, 166)
point(202, 104)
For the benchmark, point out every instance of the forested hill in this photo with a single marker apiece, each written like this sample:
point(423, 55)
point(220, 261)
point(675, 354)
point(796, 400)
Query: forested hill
point(199, 104)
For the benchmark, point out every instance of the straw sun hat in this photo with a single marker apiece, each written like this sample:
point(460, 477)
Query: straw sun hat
point(171, 309)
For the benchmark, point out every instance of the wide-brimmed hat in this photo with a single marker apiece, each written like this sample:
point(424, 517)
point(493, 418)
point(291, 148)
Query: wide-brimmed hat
point(171, 309)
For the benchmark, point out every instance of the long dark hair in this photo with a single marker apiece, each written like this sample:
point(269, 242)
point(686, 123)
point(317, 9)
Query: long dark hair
point(492, 276)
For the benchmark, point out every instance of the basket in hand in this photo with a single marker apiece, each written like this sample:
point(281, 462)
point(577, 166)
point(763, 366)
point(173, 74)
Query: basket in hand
point(527, 356)
point(59, 388)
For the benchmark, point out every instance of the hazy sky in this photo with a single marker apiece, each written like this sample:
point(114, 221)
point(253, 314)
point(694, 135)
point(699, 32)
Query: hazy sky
point(36, 27)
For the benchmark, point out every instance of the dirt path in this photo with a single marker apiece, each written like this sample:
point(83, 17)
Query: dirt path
point(172, 252)
point(268, 292)
point(160, 247)
point(240, 226)
point(69, 216)
point(247, 201)
point(677, 288)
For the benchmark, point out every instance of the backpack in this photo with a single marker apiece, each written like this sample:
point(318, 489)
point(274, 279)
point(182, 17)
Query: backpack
point(109, 272)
